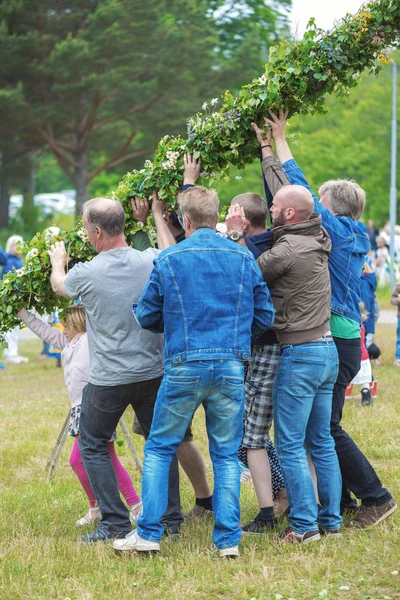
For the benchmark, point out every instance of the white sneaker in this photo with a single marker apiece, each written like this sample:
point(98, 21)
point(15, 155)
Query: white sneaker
point(133, 542)
point(91, 516)
point(15, 359)
point(232, 552)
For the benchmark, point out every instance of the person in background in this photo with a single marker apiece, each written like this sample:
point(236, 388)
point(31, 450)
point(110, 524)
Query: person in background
point(395, 300)
point(13, 263)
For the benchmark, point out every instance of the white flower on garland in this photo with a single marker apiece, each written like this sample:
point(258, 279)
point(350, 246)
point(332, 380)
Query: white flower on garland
point(20, 272)
point(214, 101)
point(83, 235)
point(32, 253)
point(262, 80)
point(169, 164)
point(205, 106)
point(356, 75)
point(238, 177)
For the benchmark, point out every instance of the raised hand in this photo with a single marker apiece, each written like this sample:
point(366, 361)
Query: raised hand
point(58, 255)
point(235, 219)
point(191, 170)
point(140, 209)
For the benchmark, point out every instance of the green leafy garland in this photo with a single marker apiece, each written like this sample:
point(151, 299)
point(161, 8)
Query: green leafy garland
point(298, 76)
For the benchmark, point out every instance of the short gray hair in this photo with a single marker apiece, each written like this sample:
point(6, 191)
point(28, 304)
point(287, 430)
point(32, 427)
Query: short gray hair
point(346, 196)
point(105, 213)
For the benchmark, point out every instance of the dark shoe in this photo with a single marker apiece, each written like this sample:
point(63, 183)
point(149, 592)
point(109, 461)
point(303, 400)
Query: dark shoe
point(368, 516)
point(349, 510)
point(289, 536)
point(102, 534)
point(366, 397)
point(336, 533)
point(258, 526)
point(172, 531)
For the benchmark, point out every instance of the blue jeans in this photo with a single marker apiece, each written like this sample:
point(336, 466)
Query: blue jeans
point(398, 339)
point(302, 398)
point(219, 386)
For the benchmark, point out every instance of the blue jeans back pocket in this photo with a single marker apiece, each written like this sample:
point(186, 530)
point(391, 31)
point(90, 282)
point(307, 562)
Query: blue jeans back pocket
point(232, 396)
point(181, 394)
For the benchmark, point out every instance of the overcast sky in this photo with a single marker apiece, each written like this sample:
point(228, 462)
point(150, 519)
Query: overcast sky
point(324, 11)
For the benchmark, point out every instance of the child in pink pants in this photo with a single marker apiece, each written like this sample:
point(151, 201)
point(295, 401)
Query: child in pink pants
point(75, 362)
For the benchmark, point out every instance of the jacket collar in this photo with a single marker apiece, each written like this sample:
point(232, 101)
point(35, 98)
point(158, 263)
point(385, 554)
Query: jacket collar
point(311, 227)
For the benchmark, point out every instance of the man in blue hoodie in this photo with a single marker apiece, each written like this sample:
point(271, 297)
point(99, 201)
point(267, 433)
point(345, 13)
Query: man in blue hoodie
point(341, 206)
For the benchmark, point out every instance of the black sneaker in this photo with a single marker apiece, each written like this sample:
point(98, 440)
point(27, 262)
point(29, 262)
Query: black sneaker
point(366, 398)
point(103, 534)
point(330, 532)
point(258, 526)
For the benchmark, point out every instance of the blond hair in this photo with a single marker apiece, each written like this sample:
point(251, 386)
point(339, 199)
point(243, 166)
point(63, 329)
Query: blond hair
point(13, 242)
point(76, 319)
point(200, 205)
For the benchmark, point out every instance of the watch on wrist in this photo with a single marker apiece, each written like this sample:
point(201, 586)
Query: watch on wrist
point(235, 236)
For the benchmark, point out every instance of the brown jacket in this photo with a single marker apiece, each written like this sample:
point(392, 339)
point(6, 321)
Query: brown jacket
point(394, 298)
point(296, 271)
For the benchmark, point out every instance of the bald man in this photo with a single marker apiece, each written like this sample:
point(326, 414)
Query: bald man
point(126, 362)
point(296, 271)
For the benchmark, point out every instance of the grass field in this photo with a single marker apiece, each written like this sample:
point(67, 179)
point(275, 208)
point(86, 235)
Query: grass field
point(40, 556)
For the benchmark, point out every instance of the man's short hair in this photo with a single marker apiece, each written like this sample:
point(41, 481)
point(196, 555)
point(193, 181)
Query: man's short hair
point(105, 213)
point(346, 196)
point(254, 206)
point(200, 205)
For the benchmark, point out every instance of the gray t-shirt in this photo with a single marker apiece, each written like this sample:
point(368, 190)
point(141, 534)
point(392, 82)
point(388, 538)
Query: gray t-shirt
point(120, 350)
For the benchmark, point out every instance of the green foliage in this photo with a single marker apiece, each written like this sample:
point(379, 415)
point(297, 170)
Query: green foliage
point(88, 79)
point(298, 76)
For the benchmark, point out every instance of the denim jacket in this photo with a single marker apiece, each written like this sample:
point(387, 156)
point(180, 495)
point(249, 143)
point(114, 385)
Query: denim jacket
point(208, 296)
point(350, 245)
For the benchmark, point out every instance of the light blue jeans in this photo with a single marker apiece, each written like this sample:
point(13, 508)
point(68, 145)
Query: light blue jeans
point(302, 399)
point(398, 339)
point(219, 386)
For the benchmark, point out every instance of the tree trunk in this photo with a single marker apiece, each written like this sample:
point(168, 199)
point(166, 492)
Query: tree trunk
point(29, 213)
point(5, 192)
point(81, 176)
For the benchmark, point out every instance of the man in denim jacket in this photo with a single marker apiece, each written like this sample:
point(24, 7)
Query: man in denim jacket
point(342, 203)
point(207, 331)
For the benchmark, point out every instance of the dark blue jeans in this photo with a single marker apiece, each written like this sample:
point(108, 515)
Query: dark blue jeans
point(102, 408)
point(358, 475)
point(218, 385)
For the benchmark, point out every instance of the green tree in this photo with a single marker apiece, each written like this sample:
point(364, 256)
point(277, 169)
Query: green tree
point(89, 78)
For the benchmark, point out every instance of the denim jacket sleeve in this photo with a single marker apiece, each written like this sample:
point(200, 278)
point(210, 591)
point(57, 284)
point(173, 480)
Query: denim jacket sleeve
point(3, 256)
point(264, 312)
point(148, 312)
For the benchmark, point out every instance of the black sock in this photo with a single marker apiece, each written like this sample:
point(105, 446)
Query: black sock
point(266, 514)
point(205, 502)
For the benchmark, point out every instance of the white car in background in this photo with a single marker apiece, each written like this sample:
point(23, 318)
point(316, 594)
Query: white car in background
point(63, 202)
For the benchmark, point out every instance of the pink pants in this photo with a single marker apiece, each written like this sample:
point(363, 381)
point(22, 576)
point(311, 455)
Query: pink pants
point(124, 481)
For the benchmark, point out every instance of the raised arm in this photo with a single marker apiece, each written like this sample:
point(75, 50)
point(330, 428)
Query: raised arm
point(59, 260)
point(165, 239)
point(43, 330)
